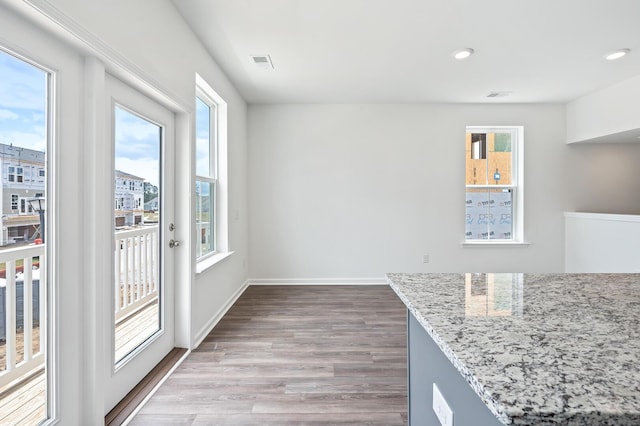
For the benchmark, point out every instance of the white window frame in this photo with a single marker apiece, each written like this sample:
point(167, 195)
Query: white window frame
point(217, 177)
point(517, 186)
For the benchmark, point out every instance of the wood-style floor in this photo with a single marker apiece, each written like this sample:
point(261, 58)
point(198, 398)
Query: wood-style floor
point(294, 355)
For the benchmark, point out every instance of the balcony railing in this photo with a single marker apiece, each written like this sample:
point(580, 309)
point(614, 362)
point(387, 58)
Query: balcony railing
point(24, 292)
point(136, 272)
point(23, 296)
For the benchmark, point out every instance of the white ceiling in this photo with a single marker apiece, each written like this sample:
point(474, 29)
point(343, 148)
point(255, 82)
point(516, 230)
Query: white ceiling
point(399, 51)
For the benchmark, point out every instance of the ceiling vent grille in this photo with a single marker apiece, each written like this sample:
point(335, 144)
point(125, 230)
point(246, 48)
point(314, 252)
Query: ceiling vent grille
point(262, 61)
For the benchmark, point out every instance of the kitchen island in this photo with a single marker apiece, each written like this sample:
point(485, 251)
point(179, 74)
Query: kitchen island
point(524, 349)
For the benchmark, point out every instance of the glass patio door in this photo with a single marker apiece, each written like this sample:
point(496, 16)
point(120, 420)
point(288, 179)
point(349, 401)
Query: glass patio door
point(141, 327)
point(25, 112)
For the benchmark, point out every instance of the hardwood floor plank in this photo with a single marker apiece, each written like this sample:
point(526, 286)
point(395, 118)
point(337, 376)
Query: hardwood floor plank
point(294, 355)
point(314, 419)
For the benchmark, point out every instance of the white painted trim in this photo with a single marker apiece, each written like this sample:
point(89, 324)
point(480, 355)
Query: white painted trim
point(318, 281)
point(603, 216)
point(206, 329)
point(206, 263)
point(493, 243)
point(115, 62)
point(155, 388)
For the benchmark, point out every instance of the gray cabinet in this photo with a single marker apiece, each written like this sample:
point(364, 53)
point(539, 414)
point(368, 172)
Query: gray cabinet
point(428, 365)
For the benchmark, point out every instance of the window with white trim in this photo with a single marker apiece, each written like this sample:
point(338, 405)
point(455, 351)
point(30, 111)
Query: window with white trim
point(210, 185)
point(494, 185)
point(206, 149)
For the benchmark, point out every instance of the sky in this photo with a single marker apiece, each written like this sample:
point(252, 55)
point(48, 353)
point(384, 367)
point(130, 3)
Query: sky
point(203, 130)
point(23, 89)
point(137, 149)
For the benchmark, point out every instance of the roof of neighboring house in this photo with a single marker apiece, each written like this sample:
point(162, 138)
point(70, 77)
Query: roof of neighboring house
point(18, 153)
point(120, 173)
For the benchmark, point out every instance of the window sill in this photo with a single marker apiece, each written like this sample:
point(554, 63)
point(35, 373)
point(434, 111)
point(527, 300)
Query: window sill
point(476, 244)
point(210, 261)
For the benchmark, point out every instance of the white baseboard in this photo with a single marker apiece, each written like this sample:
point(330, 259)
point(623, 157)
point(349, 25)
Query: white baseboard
point(318, 281)
point(206, 329)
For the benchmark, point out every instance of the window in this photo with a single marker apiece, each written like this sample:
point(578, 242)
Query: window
point(494, 184)
point(14, 201)
point(210, 174)
point(206, 148)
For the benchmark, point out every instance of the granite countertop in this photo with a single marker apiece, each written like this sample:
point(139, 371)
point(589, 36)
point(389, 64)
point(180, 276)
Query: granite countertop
point(537, 348)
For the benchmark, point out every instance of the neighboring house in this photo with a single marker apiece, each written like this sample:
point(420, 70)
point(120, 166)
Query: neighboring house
point(23, 178)
point(129, 195)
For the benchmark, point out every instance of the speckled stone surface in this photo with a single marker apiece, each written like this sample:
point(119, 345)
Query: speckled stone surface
point(538, 349)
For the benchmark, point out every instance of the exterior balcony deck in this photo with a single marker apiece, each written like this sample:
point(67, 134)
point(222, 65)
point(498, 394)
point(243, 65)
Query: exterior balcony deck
point(23, 402)
point(22, 360)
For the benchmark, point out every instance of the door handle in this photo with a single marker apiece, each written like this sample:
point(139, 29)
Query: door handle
point(173, 243)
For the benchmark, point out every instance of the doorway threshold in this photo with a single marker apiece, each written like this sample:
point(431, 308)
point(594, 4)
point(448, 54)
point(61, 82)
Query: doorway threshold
point(120, 413)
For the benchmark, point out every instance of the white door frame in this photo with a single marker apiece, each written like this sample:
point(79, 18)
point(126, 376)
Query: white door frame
point(39, 30)
point(122, 376)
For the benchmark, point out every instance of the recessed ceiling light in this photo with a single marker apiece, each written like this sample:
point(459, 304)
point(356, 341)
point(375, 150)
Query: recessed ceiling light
point(617, 54)
point(463, 53)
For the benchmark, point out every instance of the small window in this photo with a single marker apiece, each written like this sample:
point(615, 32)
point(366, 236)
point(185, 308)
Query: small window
point(14, 201)
point(493, 184)
point(210, 175)
point(205, 175)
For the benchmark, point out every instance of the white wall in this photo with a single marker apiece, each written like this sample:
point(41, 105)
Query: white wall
point(603, 178)
point(602, 242)
point(152, 36)
point(355, 191)
point(610, 111)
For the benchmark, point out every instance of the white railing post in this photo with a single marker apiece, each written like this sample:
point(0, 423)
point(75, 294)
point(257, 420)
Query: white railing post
point(27, 310)
point(42, 301)
point(138, 264)
point(10, 323)
point(117, 293)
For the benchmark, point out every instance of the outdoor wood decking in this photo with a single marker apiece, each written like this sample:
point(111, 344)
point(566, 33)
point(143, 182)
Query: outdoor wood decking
point(24, 404)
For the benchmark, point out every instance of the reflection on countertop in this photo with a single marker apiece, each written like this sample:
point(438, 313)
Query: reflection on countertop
point(494, 294)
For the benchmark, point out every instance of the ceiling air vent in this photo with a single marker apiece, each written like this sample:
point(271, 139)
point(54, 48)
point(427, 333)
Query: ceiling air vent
point(498, 94)
point(262, 61)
